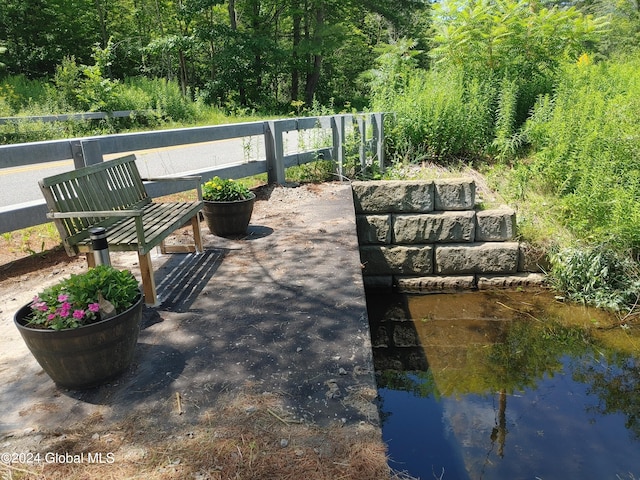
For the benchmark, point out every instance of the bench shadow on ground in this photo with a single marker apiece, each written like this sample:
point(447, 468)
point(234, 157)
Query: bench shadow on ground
point(185, 276)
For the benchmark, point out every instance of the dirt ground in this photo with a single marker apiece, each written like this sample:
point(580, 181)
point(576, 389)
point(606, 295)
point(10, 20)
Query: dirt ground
point(250, 435)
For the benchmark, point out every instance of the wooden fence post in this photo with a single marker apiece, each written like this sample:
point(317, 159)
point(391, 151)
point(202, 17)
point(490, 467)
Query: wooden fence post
point(274, 151)
point(377, 120)
point(337, 130)
point(86, 152)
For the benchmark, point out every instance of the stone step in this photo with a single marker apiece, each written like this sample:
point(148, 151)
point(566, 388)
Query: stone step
point(429, 236)
point(419, 196)
point(440, 259)
point(496, 225)
point(457, 283)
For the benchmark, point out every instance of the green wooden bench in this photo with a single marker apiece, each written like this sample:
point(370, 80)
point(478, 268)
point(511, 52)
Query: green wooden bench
point(112, 195)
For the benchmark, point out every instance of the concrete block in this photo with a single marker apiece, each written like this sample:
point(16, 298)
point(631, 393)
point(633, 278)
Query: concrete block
point(397, 260)
point(407, 358)
point(373, 229)
point(384, 196)
point(436, 283)
point(454, 194)
point(436, 227)
point(380, 337)
point(495, 225)
point(486, 257)
point(519, 280)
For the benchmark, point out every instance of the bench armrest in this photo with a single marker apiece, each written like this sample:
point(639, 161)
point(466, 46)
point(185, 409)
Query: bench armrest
point(195, 178)
point(136, 214)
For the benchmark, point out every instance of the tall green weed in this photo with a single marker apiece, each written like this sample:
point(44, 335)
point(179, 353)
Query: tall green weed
point(587, 149)
point(597, 275)
point(437, 115)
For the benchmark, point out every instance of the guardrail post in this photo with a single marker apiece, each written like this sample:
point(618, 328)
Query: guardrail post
point(362, 128)
point(274, 150)
point(86, 152)
point(337, 130)
point(377, 121)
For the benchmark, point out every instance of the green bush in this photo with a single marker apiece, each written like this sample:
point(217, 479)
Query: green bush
point(598, 276)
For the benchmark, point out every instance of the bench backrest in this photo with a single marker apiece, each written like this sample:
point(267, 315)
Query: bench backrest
point(106, 186)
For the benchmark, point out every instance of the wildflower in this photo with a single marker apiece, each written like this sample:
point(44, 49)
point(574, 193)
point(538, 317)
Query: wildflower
point(584, 60)
point(42, 306)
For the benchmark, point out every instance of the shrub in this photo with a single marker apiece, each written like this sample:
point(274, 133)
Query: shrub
point(587, 149)
point(80, 299)
point(596, 276)
point(224, 190)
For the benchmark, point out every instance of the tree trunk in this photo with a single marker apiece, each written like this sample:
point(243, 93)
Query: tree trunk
point(184, 78)
point(102, 17)
point(313, 77)
point(233, 18)
point(295, 68)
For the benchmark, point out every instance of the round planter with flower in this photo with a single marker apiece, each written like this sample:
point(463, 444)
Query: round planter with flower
point(83, 330)
point(228, 206)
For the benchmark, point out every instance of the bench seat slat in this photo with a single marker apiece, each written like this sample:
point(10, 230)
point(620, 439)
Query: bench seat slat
point(159, 221)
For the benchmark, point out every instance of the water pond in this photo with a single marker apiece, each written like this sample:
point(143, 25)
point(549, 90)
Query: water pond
point(506, 385)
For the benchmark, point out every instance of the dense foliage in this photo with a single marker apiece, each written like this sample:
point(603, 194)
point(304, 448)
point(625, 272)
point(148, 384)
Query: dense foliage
point(233, 53)
point(552, 92)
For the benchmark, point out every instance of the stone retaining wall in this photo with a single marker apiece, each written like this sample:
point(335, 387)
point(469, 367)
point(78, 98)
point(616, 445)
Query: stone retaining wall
point(425, 236)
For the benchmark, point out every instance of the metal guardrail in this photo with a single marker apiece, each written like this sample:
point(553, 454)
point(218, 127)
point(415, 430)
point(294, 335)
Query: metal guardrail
point(78, 117)
point(90, 150)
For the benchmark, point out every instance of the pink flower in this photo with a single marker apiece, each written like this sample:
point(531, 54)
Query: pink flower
point(64, 310)
point(51, 316)
point(62, 297)
point(78, 314)
point(42, 306)
point(94, 307)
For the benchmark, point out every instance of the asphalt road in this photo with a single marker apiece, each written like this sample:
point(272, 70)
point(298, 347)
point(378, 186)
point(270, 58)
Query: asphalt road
point(20, 184)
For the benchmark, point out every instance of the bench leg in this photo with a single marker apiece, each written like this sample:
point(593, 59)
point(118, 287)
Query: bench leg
point(197, 235)
point(148, 280)
point(197, 240)
point(91, 260)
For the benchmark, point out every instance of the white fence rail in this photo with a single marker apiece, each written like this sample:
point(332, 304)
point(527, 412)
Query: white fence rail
point(366, 129)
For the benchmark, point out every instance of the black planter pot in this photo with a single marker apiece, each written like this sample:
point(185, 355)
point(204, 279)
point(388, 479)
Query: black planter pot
point(87, 356)
point(228, 219)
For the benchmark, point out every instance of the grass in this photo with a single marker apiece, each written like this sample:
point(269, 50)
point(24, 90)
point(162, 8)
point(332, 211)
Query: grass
point(249, 436)
point(30, 241)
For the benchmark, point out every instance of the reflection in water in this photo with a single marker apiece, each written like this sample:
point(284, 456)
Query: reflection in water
point(505, 386)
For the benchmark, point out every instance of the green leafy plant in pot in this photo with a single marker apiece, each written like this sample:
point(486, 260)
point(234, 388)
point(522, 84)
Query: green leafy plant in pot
point(83, 330)
point(228, 206)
